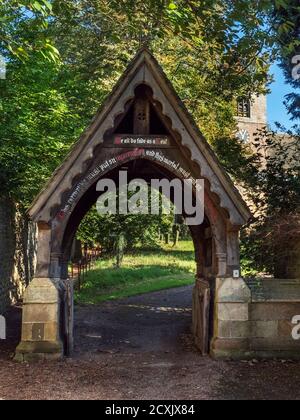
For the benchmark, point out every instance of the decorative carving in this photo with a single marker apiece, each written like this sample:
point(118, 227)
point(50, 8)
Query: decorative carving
point(145, 75)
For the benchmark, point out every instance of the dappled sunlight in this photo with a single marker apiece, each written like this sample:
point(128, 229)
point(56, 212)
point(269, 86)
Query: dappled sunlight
point(96, 337)
point(167, 257)
point(141, 272)
point(160, 309)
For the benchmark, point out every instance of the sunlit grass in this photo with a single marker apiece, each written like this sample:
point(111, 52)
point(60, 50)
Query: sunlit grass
point(141, 272)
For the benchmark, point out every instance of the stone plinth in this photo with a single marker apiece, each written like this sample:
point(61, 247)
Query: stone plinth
point(254, 319)
point(41, 324)
point(231, 319)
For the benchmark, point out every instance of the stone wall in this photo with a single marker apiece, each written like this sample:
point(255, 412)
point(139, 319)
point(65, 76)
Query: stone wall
point(258, 119)
point(17, 253)
point(253, 319)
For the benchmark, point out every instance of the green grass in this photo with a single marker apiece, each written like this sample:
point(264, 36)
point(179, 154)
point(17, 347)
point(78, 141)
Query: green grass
point(142, 272)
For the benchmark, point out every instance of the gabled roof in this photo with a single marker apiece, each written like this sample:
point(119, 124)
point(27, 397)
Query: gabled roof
point(144, 68)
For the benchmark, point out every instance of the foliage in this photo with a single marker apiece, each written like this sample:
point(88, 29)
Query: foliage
point(142, 272)
point(119, 249)
point(230, 41)
point(23, 29)
point(37, 128)
point(138, 230)
point(211, 53)
point(272, 242)
point(286, 21)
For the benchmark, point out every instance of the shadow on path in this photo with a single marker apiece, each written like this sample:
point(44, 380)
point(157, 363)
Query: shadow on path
point(140, 348)
point(154, 322)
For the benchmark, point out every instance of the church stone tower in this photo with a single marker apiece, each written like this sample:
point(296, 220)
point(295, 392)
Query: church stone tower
point(251, 116)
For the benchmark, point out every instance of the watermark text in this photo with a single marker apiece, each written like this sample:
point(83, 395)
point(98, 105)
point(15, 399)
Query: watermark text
point(153, 197)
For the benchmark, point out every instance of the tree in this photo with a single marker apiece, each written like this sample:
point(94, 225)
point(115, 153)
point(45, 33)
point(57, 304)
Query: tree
point(272, 242)
point(138, 230)
point(31, 106)
point(211, 53)
point(36, 128)
point(23, 29)
point(286, 21)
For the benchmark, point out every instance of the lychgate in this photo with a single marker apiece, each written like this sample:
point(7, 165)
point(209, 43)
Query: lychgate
point(142, 128)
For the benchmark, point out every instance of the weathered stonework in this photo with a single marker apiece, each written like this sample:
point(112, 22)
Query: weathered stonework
point(258, 117)
point(17, 253)
point(7, 251)
point(71, 192)
point(244, 319)
point(231, 318)
point(42, 312)
point(201, 313)
point(255, 320)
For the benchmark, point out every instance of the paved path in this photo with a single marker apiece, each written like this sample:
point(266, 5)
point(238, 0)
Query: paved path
point(155, 322)
point(141, 348)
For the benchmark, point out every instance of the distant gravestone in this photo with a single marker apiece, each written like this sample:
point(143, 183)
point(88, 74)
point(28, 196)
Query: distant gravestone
point(2, 328)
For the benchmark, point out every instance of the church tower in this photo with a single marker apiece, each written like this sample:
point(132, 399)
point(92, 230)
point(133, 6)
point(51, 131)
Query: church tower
point(251, 116)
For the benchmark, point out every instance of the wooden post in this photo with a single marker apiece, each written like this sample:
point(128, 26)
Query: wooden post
point(79, 276)
point(69, 317)
point(141, 116)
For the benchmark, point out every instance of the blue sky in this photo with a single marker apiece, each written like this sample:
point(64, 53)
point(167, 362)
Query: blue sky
point(276, 110)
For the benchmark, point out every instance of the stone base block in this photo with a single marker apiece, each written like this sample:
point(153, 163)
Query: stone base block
point(236, 355)
point(42, 321)
point(230, 349)
point(28, 351)
point(231, 323)
point(245, 330)
point(266, 347)
point(230, 290)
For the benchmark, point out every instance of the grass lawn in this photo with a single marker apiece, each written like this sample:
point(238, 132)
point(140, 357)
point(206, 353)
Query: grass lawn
point(141, 272)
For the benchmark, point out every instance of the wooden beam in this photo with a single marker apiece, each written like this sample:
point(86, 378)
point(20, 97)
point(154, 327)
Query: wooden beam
point(141, 122)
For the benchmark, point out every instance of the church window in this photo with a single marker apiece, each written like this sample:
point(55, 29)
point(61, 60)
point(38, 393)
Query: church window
point(244, 108)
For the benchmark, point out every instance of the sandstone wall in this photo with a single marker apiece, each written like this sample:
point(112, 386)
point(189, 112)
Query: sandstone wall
point(17, 253)
point(253, 319)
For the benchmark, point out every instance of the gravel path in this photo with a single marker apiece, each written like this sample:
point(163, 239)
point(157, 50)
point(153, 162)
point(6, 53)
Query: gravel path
point(140, 348)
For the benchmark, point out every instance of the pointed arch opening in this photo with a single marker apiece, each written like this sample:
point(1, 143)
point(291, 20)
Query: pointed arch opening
point(142, 127)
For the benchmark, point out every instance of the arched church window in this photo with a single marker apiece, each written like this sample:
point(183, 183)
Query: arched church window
point(244, 108)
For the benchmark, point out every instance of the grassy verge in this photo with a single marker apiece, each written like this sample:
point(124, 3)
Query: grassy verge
point(142, 272)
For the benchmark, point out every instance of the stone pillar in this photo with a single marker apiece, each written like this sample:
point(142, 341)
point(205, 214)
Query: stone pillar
point(43, 308)
point(231, 319)
point(233, 250)
point(41, 323)
point(43, 251)
point(55, 266)
point(221, 259)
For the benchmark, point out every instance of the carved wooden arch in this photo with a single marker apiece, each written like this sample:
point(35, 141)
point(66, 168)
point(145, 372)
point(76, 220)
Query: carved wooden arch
point(64, 230)
point(60, 206)
point(227, 211)
point(144, 71)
